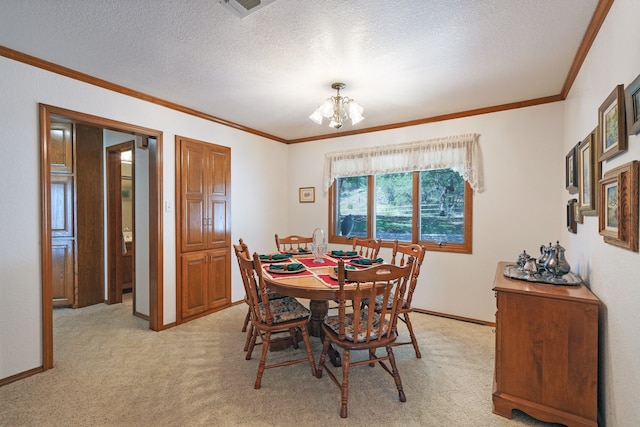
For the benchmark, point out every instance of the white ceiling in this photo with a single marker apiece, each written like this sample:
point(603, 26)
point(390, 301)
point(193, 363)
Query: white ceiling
point(401, 60)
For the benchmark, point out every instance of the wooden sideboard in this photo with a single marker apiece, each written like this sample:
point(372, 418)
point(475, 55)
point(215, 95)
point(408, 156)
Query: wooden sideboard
point(546, 361)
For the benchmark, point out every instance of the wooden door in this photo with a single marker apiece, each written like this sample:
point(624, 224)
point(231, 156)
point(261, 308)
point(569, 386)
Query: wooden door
point(193, 193)
point(120, 259)
point(89, 215)
point(218, 198)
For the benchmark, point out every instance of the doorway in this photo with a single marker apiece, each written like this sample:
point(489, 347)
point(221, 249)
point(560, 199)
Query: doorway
point(153, 139)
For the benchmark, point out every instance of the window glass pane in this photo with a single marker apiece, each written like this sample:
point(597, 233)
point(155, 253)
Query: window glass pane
point(394, 206)
point(441, 206)
point(352, 206)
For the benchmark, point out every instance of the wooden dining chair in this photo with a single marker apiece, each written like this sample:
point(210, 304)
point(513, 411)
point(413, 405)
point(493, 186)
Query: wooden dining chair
point(293, 243)
point(270, 317)
point(401, 255)
point(242, 249)
point(367, 248)
point(365, 329)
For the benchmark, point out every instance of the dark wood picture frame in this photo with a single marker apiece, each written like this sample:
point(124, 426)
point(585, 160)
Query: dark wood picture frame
point(618, 206)
point(571, 171)
point(612, 130)
point(632, 98)
point(588, 174)
point(572, 225)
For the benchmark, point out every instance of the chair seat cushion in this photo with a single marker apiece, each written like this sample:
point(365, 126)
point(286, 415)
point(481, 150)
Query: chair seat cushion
point(284, 310)
point(333, 323)
point(379, 298)
point(273, 295)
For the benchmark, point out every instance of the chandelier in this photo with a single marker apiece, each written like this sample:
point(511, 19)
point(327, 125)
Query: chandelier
point(338, 109)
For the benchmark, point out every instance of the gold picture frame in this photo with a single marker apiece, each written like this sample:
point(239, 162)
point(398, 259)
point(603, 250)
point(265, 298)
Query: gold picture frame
point(618, 206)
point(588, 174)
point(612, 129)
point(307, 194)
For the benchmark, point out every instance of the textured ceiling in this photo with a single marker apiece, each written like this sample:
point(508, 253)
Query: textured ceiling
point(401, 60)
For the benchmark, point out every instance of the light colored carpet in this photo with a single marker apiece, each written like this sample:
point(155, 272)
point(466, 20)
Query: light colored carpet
point(111, 370)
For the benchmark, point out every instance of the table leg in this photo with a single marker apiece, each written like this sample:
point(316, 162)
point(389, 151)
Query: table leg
point(319, 309)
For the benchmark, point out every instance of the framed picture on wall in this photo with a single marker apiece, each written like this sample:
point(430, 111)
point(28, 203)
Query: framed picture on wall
point(612, 131)
point(571, 171)
point(307, 194)
point(632, 97)
point(588, 175)
point(618, 206)
point(572, 225)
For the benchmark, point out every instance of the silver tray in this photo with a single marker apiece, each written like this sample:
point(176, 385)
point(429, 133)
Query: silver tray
point(569, 279)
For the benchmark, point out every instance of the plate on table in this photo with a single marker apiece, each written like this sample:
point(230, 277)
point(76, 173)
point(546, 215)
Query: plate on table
point(269, 258)
point(284, 270)
point(345, 255)
point(299, 251)
point(373, 262)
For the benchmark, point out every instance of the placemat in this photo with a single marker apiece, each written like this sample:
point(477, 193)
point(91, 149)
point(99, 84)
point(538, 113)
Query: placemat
point(273, 275)
point(309, 262)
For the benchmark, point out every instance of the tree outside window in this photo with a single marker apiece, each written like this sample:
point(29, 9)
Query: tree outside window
point(431, 207)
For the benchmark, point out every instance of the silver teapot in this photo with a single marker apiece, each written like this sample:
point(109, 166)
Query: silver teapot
point(556, 263)
point(544, 255)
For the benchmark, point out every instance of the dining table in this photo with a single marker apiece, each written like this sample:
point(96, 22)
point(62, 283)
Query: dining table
point(316, 281)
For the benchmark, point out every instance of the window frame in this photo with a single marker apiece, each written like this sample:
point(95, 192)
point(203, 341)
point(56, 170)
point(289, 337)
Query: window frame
point(464, 248)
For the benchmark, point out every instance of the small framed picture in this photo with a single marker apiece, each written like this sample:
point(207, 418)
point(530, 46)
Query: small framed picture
point(307, 194)
point(588, 175)
point(572, 225)
point(571, 171)
point(632, 97)
point(612, 130)
point(618, 206)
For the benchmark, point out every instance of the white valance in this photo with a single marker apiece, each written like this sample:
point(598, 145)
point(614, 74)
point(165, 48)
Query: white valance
point(454, 152)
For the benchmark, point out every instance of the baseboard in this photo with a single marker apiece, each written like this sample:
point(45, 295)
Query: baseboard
point(21, 376)
point(454, 317)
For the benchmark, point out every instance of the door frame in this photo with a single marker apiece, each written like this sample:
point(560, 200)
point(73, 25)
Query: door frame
point(156, 300)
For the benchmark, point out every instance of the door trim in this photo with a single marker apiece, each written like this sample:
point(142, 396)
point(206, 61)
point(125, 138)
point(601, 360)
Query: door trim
point(156, 300)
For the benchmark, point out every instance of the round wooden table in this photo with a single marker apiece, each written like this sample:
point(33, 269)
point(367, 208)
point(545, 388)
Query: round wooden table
point(318, 293)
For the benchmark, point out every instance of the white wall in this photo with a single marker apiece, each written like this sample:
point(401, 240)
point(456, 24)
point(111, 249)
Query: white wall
point(257, 210)
point(518, 209)
point(612, 272)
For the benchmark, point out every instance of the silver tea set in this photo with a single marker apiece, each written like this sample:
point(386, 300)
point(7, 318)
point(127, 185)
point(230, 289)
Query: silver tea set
point(550, 266)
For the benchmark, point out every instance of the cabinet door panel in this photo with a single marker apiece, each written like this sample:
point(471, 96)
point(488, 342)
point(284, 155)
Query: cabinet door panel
point(194, 279)
point(219, 173)
point(219, 198)
point(192, 194)
point(61, 147)
point(218, 278)
point(194, 229)
point(62, 266)
point(62, 206)
point(219, 236)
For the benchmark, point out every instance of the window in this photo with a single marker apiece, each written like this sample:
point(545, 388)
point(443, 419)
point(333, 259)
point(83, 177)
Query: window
point(418, 192)
point(432, 207)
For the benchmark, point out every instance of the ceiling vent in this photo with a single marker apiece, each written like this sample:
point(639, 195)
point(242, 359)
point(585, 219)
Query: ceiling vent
point(243, 8)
